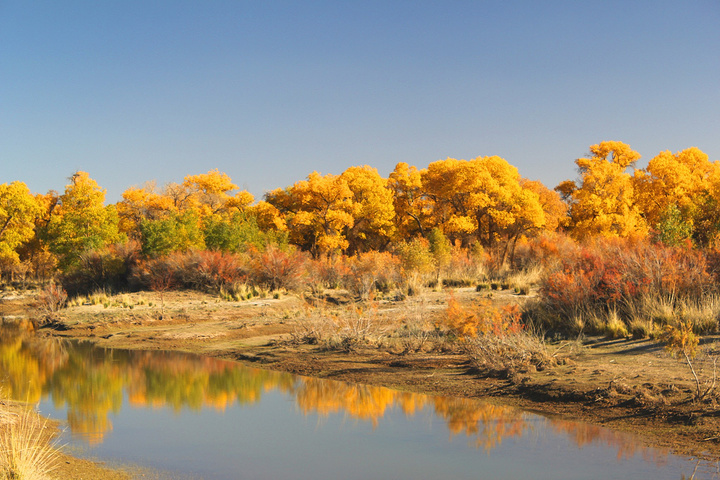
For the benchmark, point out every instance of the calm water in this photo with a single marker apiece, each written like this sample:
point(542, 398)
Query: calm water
point(216, 420)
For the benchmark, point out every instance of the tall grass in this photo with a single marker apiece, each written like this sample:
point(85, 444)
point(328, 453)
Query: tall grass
point(26, 450)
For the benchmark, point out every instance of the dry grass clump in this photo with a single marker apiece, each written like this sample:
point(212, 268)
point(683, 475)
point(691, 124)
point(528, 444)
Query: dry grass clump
point(529, 276)
point(26, 450)
point(98, 297)
point(413, 331)
point(344, 328)
point(240, 291)
point(642, 328)
point(508, 353)
point(614, 326)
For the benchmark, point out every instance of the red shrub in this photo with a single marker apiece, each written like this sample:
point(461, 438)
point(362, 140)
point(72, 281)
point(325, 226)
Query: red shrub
point(546, 250)
point(159, 274)
point(212, 270)
point(327, 272)
point(276, 268)
point(613, 273)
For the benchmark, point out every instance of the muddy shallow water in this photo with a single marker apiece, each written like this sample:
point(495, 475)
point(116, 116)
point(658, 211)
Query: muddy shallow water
point(213, 419)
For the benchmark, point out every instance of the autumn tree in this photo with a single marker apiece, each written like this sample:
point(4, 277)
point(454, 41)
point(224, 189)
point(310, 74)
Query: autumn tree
point(672, 229)
point(555, 209)
point(238, 232)
point(482, 199)
point(36, 251)
point(603, 203)
point(680, 187)
point(440, 249)
point(416, 261)
point(317, 211)
point(18, 212)
point(140, 204)
point(208, 196)
point(673, 180)
point(209, 192)
point(412, 206)
point(179, 231)
point(371, 208)
point(268, 217)
point(81, 221)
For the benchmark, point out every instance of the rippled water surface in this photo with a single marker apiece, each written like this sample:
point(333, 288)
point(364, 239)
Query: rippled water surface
point(216, 420)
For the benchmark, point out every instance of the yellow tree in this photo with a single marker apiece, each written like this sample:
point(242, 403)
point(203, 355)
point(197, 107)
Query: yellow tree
point(705, 214)
point(554, 208)
point(81, 221)
point(513, 210)
point(455, 189)
point(209, 192)
point(317, 211)
point(683, 181)
point(371, 208)
point(267, 216)
point(412, 207)
point(18, 211)
point(529, 219)
point(482, 199)
point(206, 196)
point(604, 201)
point(36, 251)
point(140, 204)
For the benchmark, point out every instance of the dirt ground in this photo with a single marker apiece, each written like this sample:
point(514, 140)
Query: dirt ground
point(625, 384)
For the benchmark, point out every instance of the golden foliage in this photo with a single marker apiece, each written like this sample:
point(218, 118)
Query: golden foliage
point(481, 319)
point(673, 180)
point(18, 211)
point(482, 199)
point(372, 210)
point(317, 211)
point(81, 221)
point(604, 202)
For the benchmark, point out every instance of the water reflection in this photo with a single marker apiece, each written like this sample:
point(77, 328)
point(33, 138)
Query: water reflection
point(91, 384)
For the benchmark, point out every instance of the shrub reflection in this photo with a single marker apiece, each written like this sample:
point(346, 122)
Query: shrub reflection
point(91, 383)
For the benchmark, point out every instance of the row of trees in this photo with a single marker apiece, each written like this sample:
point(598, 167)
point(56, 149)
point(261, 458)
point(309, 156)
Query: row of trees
point(483, 201)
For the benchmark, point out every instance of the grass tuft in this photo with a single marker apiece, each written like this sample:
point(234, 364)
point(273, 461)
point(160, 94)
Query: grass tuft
point(25, 452)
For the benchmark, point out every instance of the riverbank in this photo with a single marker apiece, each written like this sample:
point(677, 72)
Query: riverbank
point(627, 385)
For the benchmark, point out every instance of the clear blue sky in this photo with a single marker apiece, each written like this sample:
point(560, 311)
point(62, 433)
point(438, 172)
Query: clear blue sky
point(268, 91)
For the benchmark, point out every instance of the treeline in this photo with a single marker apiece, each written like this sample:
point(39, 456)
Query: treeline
point(481, 206)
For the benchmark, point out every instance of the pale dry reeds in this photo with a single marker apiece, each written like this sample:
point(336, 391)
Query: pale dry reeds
point(340, 329)
point(27, 451)
point(506, 353)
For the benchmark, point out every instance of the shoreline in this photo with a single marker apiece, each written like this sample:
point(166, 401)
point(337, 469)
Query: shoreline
point(626, 385)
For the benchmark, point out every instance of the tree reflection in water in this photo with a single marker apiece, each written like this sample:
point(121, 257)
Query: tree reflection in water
point(92, 382)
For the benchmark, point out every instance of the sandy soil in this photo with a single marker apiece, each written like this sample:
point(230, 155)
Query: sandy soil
point(628, 385)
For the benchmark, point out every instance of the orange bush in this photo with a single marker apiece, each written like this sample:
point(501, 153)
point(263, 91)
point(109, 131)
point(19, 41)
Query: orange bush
point(327, 272)
point(545, 250)
point(483, 318)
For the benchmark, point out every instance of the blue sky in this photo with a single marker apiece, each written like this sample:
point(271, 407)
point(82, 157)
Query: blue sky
point(269, 91)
